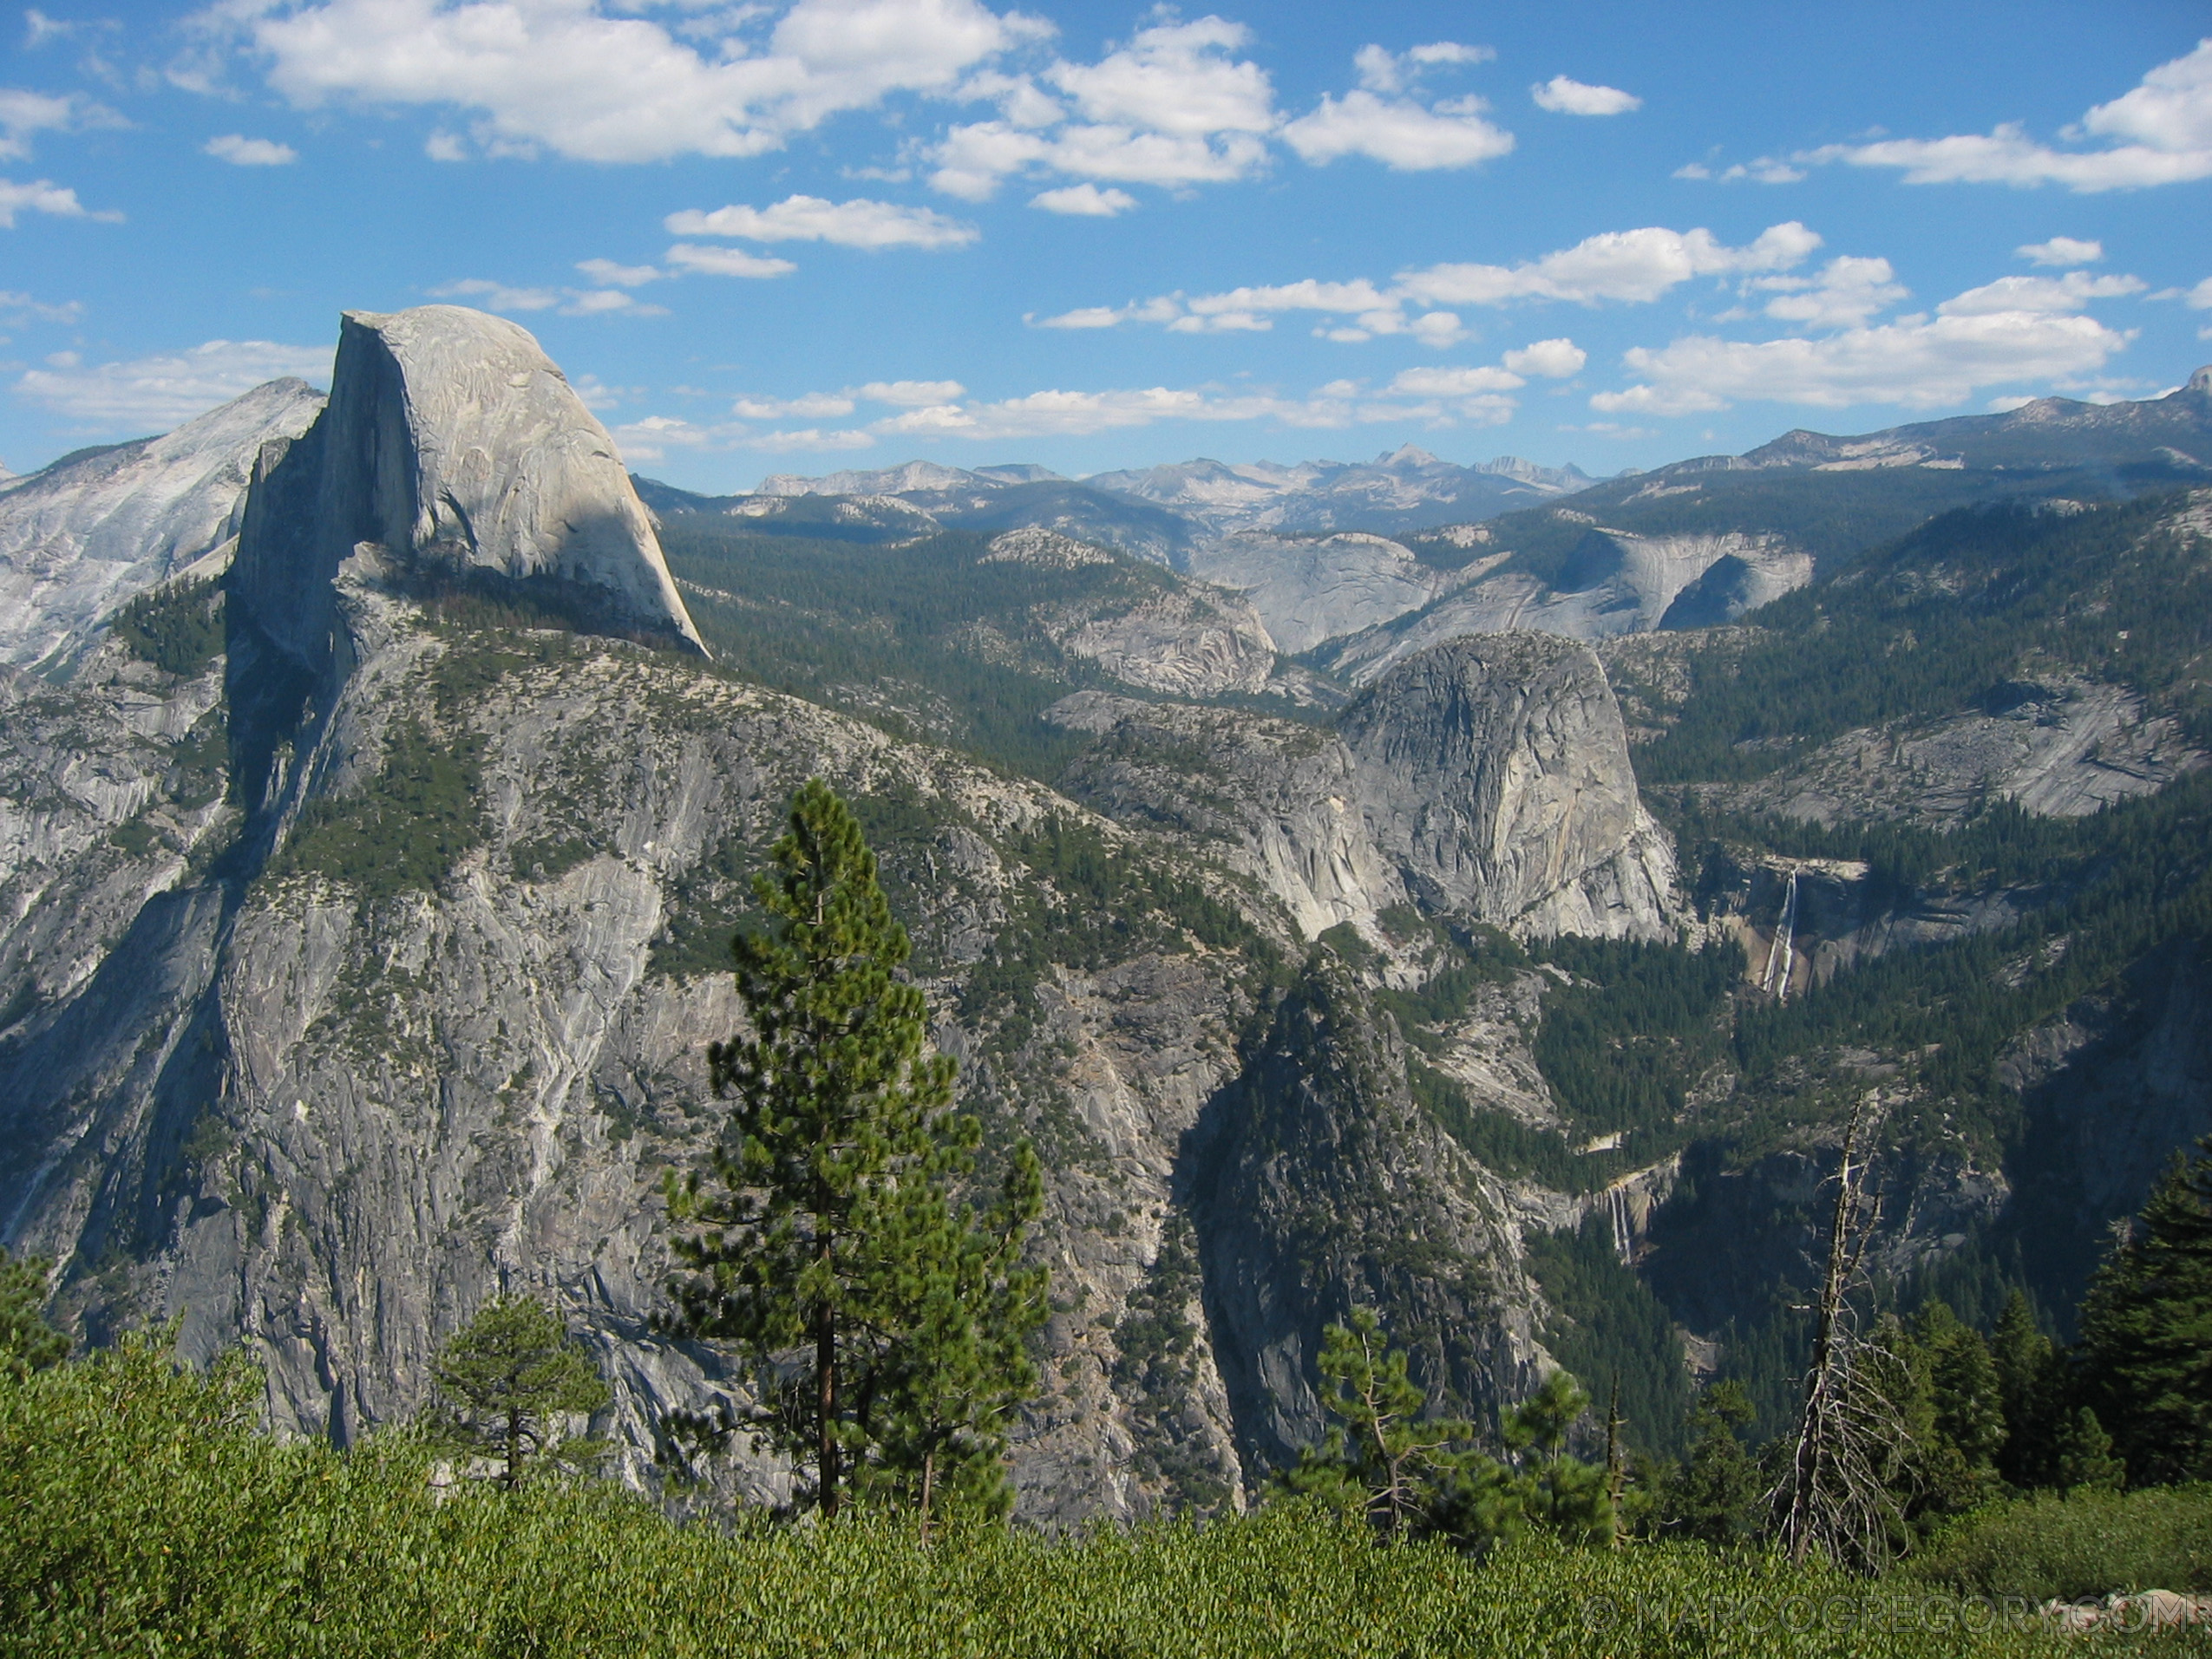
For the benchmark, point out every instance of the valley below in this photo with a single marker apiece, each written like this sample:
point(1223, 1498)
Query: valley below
point(1482, 895)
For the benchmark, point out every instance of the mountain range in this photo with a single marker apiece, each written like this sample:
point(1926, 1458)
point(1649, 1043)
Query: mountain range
point(1486, 904)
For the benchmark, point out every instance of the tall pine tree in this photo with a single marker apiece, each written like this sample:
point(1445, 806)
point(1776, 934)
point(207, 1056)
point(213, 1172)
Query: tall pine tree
point(887, 1322)
point(2146, 1328)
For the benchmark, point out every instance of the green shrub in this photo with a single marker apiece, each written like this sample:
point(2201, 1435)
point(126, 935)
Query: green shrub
point(146, 1516)
point(2085, 1543)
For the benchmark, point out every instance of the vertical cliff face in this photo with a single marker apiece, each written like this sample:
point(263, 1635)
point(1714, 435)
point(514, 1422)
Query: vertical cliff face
point(82, 536)
point(1494, 771)
point(452, 445)
point(1323, 1186)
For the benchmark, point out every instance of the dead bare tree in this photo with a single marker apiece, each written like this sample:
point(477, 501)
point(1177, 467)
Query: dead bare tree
point(1835, 1496)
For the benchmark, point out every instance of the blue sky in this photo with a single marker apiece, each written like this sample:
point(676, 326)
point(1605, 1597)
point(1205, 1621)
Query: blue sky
point(779, 237)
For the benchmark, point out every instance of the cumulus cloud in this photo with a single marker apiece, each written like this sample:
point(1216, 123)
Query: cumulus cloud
point(1384, 122)
point(1629, 266)
point(1397, 132)
point(242, 152)
point(726, 262)
point(2199, 298)
point(17, 309)
point(1174, 108)
point(2062, 250)
point(1084, 201)
point(1551, 359)
point(1624, 266)
point(154, 394)
point(857, 224)
point(2067, 293)
point(2159, 132)
point(608, 274)
point(911, 394)
point(811, 406)
point(1563, 96)
point(1915, 363)
point(24, 115)
point(569, 301)
point(1846, 292)
point(43, 196)
point(581, 79)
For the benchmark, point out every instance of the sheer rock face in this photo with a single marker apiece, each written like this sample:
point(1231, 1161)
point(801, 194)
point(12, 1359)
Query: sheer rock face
point(1494, 772)
point(84, 536)
point(1328, 1188)
point(455, 446)
point(1489, 777)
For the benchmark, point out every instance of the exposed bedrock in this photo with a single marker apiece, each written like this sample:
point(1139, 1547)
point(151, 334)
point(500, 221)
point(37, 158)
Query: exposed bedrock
point(1320, 1186)
point(454, 447)
point(1494, 770)
point(1487, 778)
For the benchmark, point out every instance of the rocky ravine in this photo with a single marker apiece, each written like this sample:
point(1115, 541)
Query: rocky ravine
point(390, 988)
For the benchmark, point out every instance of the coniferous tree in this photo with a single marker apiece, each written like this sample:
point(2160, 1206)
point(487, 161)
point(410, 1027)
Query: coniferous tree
point(2027, 1386)
point(2146, 1326)
point(2082, 1455)
point(886, 1325)
point(1382, 1458)
point(508, 1383)
point(1561, 1494)
point(27, 1342)
point(1717, 1494)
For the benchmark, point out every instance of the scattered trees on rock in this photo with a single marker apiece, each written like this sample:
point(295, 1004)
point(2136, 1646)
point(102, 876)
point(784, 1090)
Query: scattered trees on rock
point(884, 1317)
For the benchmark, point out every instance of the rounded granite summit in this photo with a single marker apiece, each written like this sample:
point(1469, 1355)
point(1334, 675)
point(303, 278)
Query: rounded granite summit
point(456, 447)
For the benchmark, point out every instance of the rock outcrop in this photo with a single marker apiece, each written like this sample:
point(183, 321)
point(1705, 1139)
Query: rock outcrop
point(1495, 773)
point(87, 533)
point(1326, 1188)
point(1489, 777)
point(454, 448)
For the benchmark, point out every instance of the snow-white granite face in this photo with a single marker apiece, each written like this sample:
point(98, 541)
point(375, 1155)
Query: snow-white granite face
point(81, 537)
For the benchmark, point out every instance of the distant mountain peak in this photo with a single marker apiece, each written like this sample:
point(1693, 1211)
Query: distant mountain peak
point(2200, 381)
point(1406, 456)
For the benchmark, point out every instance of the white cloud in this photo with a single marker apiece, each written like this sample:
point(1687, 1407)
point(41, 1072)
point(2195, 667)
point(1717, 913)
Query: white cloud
point(726, 262)
point(911, 394)
point(1453, 382)
point(2164, 126)
point(1565, 97)
point(1172, 107)
point(154, 394)
point(2199, 298)
point(17, 309)
point(1765, 171)
point(242, 152)
point(811, 406)
point(1380, 70)
point(2062, 250)
point(1633, 266)
point(569, 301)
point(42, 196)
point(857, 224)
point(2067, 293)
point(1397, 132)
point(1916, 362)
point(497, 296)
point(1174, 77)
point(1553, 359)
point(607, 273)
point(581, 80)
point(1845, 293)
point(1084, 201)
point(23, 114)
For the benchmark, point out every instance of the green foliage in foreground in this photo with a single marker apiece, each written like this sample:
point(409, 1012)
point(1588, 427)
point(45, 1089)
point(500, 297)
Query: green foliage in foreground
point(146, 1516)
point(2085, 1543)
point(27, 1342)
